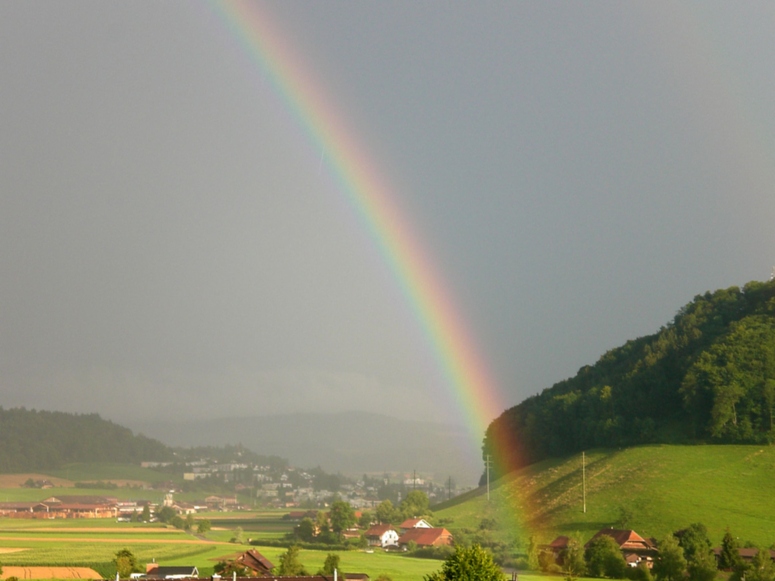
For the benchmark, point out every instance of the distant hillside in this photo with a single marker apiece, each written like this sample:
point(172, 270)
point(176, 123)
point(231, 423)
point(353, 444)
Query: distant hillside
point(654, 489)
point(40, 440)
point(707, 377)
point(351, 443)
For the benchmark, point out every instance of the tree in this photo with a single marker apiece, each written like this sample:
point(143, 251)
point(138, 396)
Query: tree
point(641, 573)
point(366, 519)
point(165, 514)
point(290, 564)
point(761, 567)
point(532, 553)
point(468, 564)
point(573, 559)
point(189, 524)
point(306, 530)
point(670, 564)
point(702, 566)
point(416, 504)
point(694, 540)
point(203, 526)
point(625, 517)
point(604, 558)
point(729, 559)
point(701, 563)
point(125, 562)
point(385, 513)
point(768, 394)
point(177, 522)
point(331, 564)
point(145, 516)
point(547, 562)
point(342, 516)
point(229, 568)
point(237, 538)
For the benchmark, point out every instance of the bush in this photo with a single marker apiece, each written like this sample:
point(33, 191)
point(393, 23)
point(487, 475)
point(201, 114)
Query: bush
point(468, 563)
point(443, 552)
point(289, 542)
point(521, 564)
point(604, 558)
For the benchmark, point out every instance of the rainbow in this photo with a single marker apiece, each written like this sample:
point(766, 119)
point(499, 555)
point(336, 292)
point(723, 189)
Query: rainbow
point(371, 196)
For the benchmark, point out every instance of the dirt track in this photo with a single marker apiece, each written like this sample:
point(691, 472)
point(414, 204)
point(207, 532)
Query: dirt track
point(50, 573)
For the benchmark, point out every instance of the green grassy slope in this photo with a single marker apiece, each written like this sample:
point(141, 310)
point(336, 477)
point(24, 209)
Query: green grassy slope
point(664, 488)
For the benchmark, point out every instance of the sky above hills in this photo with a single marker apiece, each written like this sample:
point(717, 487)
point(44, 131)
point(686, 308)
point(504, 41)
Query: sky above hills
point(173, 240)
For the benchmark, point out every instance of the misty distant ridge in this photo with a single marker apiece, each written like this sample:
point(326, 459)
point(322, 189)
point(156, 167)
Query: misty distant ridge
point(348, 442)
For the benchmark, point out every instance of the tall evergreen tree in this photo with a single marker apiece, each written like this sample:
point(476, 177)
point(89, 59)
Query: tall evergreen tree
point(729, 559)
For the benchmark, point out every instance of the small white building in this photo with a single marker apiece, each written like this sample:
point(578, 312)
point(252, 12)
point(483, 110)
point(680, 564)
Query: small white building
point(382, 536)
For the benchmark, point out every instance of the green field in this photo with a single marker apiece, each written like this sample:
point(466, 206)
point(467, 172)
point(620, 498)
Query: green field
point(55, 545)
point(663, 488)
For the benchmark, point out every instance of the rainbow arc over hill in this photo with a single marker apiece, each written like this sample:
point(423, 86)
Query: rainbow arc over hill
point(371, 196)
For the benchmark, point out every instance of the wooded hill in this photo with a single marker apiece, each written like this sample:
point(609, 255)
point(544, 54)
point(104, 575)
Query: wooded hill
point(35, 440)
point(706, 377)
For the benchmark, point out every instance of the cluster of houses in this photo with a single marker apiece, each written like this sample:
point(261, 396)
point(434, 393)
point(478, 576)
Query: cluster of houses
point(251, 563)
point(635, 548)
point(417, 531)
point(84, 506)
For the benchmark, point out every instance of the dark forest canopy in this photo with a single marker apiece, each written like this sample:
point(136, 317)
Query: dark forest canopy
point(706, 377)
point(36, 440)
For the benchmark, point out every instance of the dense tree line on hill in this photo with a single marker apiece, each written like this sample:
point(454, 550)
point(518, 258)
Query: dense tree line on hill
point(36, 440)
point(708, 376)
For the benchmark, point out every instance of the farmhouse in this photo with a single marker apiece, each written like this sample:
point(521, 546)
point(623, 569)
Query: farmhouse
point(628, 540)
point(635, 548)
point(557, 546)
point(158, 572)
point(414, 523)
point(256, 562)
point(426, 537)
point(382, 536)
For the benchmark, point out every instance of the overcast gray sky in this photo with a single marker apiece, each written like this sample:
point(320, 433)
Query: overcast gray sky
point(169, 238)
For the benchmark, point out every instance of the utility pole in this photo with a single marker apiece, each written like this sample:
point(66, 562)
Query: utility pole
point(487, 465)
point(584, 483)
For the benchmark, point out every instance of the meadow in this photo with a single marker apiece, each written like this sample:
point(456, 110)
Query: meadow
point(51, 547)
point(655, 490)
point(60, 544)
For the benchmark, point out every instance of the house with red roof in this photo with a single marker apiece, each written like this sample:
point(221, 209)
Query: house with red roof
point(634, 547)
point(628, 540)
point(415, 523)
point(557, 547)
point(426, 537)
point(256, 562)
point(382, 536)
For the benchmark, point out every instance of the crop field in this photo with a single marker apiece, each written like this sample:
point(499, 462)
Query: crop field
point(49, 573)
